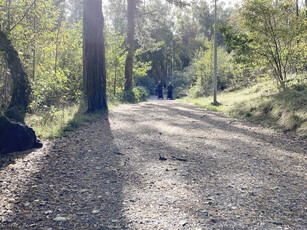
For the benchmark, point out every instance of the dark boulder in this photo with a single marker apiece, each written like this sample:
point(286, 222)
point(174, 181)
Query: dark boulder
point(16, 137)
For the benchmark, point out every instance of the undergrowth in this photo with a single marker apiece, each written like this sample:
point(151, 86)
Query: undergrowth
point(56, 122)
point(263, 103)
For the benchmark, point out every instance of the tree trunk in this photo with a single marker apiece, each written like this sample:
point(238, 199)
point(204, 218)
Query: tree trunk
point(21, 87)
point(15, 136)
point(57, 38)
point(9, 15)
point(94, 55)
point(34, 45)
point(129, 60)
point(115, 76)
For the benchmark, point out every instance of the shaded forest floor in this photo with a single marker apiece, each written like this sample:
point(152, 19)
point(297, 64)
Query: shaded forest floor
point(219, 173)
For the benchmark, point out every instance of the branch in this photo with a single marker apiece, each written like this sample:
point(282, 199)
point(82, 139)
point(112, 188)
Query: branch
point(179, 3)
point(24, 15)
point(147, 13)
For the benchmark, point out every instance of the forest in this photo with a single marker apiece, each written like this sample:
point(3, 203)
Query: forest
point(86, 142)
point(167, 41)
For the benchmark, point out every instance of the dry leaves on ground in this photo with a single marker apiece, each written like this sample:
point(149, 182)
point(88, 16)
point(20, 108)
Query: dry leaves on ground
point(159, 165)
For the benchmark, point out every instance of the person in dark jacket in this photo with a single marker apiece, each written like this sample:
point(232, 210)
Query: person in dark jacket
point(160, 90)
point(170, 91)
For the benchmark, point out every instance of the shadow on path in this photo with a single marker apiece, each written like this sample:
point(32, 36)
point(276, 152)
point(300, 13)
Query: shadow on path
point(78, 178)
point(236, 175)
point(109, 176)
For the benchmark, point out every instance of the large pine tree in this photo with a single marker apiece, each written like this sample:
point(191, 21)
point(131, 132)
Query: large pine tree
point(94, 67)
point(129, 60)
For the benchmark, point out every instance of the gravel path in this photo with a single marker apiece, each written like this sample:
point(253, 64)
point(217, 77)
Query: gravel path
point(159, 165)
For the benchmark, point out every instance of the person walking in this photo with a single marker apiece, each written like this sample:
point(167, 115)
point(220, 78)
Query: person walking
point(160, 90)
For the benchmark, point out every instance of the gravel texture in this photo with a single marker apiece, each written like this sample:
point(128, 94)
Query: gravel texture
point(159, 165)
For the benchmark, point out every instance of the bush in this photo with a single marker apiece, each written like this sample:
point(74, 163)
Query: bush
point(140, 93)
point(127, 96)
point(146, 82)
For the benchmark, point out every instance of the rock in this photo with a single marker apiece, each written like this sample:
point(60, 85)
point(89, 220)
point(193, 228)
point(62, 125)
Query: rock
point(95, 211)
point(60, 219)
point(27, 204)
point(16, 137)
point(11, 200)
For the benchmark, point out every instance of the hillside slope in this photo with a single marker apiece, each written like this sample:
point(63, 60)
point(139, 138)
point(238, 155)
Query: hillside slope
point(264, 104)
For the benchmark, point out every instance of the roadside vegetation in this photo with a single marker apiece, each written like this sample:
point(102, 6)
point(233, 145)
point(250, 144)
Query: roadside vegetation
point(263, 103)
point(56, 122)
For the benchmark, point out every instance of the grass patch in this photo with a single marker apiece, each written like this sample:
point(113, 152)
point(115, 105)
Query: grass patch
point(56, 122)
point(264, 104)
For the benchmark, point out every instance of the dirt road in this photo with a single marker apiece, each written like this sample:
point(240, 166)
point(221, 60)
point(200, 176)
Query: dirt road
point(159, 165)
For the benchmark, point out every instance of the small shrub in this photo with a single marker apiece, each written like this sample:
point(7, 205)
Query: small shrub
point(140, 93)
point(126, 96)
point(146, 82)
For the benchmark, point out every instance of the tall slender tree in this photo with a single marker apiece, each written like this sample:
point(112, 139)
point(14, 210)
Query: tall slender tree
point(94, 67)
point(130, 40)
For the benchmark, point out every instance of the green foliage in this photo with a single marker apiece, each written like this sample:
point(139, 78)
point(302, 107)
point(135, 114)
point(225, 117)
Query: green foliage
point(140, 93)
point(127, 97)
point(50, 49)
point(49, 122)
point(115, 61)
point(146, 82)
point(181, 81)
point(238, 43)
point(55, 122)
point(284, 110)
point(274, 33)
point(203, 63)
point(141, 68)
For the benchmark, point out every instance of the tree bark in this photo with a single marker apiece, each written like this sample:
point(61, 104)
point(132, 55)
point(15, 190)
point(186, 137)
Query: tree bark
point(34, 45)
point(94, 56)
point(9, 15)
point(21, 87)
point(129, 60)
point(14, 135)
